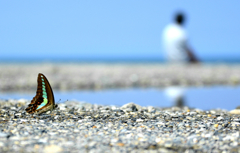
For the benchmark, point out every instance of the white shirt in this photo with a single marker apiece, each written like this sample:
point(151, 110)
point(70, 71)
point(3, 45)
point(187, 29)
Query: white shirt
point(175, 43)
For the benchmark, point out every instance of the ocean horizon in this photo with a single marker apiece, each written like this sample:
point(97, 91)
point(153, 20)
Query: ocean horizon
point(79, 59)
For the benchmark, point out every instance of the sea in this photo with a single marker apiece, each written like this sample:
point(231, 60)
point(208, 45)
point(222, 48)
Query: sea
point(205, 98)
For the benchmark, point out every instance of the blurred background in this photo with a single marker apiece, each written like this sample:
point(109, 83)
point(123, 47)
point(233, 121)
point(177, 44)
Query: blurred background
point(51, 34)
point(114, 30)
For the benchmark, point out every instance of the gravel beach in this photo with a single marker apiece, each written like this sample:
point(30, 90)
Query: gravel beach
point(84, 127)
point(22, 77)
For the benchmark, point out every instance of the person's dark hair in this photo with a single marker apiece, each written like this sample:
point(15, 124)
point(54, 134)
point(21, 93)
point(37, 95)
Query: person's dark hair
point(179, 18)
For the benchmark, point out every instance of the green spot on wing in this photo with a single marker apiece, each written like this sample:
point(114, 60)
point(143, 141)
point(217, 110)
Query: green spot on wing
point(44, 94)
point(45, 101)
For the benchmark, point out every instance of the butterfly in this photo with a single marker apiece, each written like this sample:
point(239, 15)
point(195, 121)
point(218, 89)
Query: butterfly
point(44, 99)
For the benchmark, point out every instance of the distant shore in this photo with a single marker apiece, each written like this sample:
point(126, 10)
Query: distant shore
point(84, 127)
point(23, 77)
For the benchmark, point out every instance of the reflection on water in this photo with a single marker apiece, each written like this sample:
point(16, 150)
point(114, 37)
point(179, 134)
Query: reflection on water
point(203, 98)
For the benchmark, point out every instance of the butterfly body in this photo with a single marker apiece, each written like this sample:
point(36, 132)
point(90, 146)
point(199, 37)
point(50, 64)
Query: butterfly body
point(44, 99)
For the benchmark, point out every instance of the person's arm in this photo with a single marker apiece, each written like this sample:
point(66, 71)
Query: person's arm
point(192, 57)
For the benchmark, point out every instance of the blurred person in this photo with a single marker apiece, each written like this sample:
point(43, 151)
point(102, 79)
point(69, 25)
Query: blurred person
point(175, 42)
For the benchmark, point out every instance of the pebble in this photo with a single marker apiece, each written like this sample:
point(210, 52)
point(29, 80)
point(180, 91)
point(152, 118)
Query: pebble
point(235, 111)
point(52, 149)
point(85, 127)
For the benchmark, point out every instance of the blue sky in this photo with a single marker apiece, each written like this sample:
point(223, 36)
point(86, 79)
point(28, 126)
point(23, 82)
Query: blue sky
point(114, 29)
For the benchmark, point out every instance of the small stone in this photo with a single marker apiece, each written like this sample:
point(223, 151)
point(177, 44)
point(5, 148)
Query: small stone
point(3, 134)
point(235, 111)
point(220, 118)
point(76, 131)
point(52, 149)
point(133, 107)
point(120, 144)
point(41, 121)
point(139, 120)
point(92, 144)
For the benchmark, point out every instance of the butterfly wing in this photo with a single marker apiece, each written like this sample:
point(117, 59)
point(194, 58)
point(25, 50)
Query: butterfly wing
point(44, 99)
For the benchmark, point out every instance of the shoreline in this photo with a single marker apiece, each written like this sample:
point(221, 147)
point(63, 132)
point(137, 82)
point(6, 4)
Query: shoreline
point(65, 77)
point(77, 126)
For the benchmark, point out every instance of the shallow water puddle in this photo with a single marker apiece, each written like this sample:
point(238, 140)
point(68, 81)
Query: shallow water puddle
point(205, 98)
